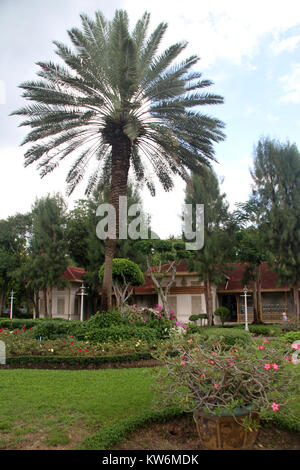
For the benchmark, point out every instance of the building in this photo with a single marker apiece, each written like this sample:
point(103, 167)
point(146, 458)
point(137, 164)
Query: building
point(66, 301)
point(186, 296)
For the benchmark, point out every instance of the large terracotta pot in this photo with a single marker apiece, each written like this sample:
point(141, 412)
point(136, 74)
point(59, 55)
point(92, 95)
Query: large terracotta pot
point(225, 432)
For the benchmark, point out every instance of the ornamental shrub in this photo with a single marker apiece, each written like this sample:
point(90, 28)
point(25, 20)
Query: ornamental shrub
point(227, 337)
point(291, 336)
point(265, 330)
point(54, 329)
point(206, 375)
point(105, 320)
point(223, 313)
point(117, 333)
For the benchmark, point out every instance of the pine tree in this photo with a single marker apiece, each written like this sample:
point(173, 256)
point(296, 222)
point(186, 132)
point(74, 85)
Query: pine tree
point(48, 255)
point(210, 261)
point(276, 175)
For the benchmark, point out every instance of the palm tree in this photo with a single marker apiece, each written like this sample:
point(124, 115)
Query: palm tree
point(117, 102)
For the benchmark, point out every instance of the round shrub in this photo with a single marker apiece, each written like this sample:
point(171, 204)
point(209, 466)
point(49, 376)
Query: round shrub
point(223, 313)
point(105, 320)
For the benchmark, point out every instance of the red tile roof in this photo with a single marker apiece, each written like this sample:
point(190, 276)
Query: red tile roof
point(73, 273)
point(269, 278)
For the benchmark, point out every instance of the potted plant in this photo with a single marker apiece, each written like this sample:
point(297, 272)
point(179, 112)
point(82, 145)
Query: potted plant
point(228, 389)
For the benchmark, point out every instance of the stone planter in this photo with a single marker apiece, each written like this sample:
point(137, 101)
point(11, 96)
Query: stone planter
point(224, 432)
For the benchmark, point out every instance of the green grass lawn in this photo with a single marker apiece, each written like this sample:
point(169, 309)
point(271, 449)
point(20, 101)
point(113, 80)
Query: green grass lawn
point(52, 408)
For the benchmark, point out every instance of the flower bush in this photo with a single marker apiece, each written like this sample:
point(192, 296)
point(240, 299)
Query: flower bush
point(208, 375)
point(157, 318)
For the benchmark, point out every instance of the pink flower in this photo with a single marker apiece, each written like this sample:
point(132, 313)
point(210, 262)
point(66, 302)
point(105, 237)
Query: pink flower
point(210, 361)
point(190, 340)
point(275, 366)
point(216, 386)
point(267, 366)
point(274, 406)
point(183, 363)
point(261, 347)
point(202, 376)
point(296, 346)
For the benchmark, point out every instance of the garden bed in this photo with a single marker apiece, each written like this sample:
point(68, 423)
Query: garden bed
point(181, 434)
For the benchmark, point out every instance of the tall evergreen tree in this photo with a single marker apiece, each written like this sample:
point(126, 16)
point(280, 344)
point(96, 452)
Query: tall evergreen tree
point(119, 103)
point(252, 248)
point(48, 255)
point(276, 175)
point(218, 248)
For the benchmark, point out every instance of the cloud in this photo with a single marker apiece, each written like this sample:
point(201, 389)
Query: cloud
point(230, 30)
point(291, 86)
point(285, 45)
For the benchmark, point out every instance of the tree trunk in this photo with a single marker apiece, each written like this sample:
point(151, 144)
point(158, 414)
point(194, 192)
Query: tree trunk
point(296, 302)
point(121, 151)
point(37, 305)
point(50, 302)
point(45, 302)
point(208, 302)
point(255, 312)
point(259, 300)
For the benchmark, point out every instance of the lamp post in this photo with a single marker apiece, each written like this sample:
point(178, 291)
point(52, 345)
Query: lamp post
point(11, 304)
point(245, 290)
point(82, 294)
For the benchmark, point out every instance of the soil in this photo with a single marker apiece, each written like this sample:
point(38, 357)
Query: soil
point(181, 434)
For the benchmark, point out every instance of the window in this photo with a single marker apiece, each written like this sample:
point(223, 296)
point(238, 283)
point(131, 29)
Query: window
point(60, 306)
point(196, 304)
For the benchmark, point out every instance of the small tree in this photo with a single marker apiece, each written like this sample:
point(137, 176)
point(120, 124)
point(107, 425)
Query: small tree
point(223, 313)
point(163, 257)
point(125, 276)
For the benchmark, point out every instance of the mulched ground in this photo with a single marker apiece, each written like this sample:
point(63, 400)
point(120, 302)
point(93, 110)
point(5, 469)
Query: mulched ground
point(181, 434)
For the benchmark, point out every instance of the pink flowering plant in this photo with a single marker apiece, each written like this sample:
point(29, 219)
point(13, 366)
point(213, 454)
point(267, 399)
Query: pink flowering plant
point(208, 375)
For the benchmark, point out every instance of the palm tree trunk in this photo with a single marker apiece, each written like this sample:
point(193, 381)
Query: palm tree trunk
point(121, 151)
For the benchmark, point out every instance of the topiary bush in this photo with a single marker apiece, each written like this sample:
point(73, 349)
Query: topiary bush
point(223, 313)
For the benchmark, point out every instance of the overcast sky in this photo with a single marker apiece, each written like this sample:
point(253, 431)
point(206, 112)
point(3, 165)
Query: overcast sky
point(249, 49)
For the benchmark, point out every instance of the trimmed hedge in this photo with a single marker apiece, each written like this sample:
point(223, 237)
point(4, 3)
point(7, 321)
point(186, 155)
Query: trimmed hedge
point(74, 361)
point(265, 330)
point(117, 333)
